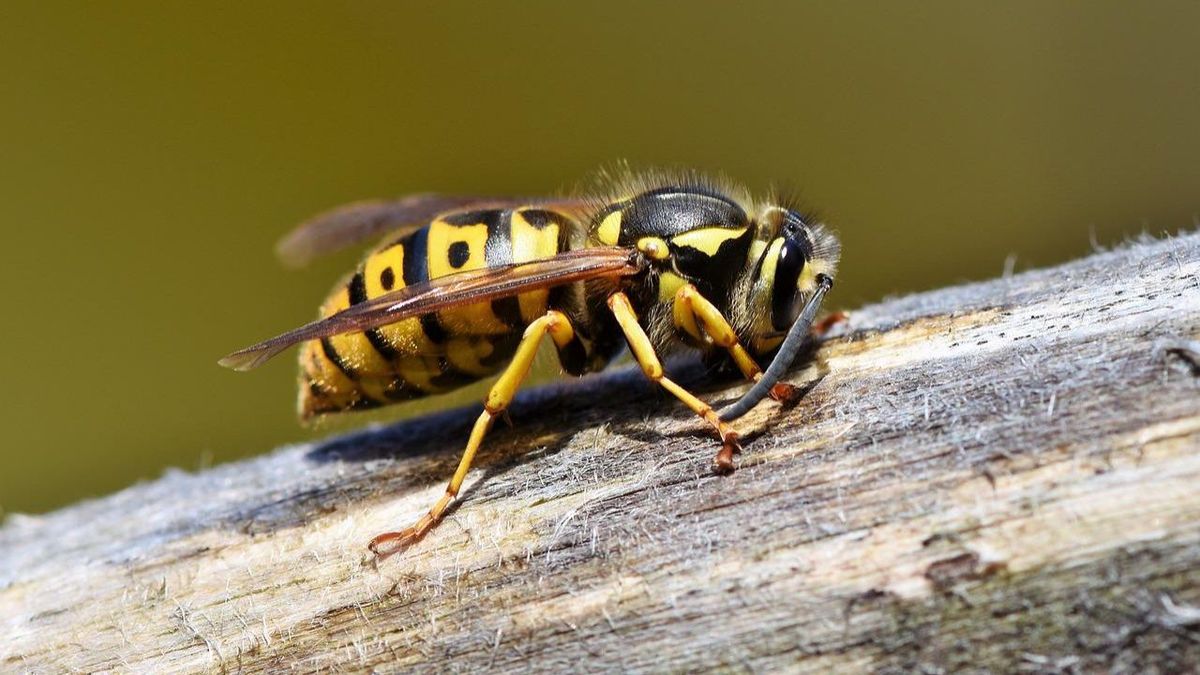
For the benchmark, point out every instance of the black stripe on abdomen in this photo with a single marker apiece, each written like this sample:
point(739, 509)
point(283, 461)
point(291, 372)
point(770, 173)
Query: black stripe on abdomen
point(448, 377)
point(336, 359)
point(416, 271)
point(358, 293)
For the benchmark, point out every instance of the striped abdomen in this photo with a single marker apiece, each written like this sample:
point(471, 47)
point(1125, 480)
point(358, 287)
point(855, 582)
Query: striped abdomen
point(436, 352)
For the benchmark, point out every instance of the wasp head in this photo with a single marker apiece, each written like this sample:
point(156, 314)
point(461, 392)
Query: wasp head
point(790, 255)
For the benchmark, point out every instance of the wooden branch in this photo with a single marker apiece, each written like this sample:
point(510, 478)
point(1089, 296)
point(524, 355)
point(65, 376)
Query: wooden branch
point(999, 476)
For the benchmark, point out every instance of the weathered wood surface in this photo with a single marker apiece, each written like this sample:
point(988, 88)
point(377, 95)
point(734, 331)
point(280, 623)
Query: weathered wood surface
point(1000, 476)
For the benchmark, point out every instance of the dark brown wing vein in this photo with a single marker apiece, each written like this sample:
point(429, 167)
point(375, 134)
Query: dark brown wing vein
point(449, 291)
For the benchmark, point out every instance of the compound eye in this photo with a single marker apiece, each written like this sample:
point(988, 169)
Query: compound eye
point(785, 295)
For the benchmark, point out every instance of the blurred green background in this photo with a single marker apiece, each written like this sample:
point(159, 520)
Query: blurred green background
point(153, 152)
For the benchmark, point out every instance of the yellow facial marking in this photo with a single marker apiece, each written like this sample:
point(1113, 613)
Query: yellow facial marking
point(708, 240)
point(808, 279)
point(654, 248)
point(757, 247)
point(610, 229)
point(767, 275)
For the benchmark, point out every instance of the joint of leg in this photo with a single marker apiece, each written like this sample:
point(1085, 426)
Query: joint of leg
point(560, 329)
point(723, 339)
point(723, 462)
point(715, 324)
point(653, 371)
point(537, 327)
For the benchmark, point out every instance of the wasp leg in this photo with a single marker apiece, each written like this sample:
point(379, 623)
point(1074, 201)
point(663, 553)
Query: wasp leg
point(558, 326)
point(691, 307)
point(643, 352)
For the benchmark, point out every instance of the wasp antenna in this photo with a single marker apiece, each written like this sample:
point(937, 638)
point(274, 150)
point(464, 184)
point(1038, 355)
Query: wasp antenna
point(784, 357)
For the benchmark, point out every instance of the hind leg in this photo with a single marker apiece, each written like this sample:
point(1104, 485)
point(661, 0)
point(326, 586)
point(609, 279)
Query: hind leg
point(558, 327)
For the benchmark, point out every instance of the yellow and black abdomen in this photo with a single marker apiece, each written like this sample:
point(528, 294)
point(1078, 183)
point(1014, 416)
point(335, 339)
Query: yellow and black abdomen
point(444, 350)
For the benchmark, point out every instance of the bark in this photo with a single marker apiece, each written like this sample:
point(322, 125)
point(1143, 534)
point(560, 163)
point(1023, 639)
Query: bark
point(997, 476)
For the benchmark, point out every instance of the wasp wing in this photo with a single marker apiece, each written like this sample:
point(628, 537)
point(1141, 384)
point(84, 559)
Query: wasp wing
point(453, 290)
point(357, 222)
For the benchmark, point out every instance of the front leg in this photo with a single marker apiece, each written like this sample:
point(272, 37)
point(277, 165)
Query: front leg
point(693, 312)
point(643, 353)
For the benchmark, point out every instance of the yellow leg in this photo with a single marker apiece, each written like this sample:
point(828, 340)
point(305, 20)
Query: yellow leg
point(558, 326)
point(693, 310)
point(643, 352)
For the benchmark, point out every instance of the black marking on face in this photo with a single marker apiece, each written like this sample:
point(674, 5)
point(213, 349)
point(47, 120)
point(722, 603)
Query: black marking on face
point(758, 266)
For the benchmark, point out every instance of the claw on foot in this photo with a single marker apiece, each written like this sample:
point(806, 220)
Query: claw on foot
point(785, 393)
point(394, 541)
point(723, 462)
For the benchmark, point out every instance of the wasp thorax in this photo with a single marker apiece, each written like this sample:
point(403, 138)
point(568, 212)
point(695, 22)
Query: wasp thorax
point(692, 234)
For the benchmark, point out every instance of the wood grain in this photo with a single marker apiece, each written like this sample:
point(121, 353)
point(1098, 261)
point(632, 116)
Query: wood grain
point(997, 476)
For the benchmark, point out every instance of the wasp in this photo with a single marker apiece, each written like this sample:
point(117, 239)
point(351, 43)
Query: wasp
point(464, 288)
